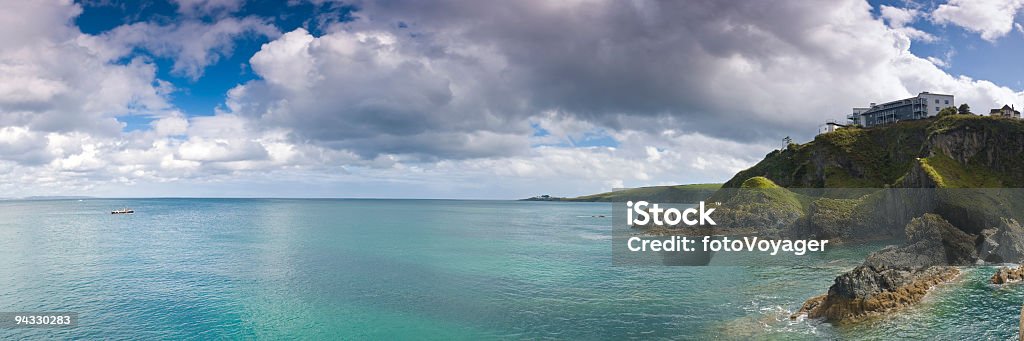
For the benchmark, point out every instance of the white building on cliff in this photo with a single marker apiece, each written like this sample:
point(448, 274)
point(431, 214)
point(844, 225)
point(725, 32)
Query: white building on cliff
point(923, 105)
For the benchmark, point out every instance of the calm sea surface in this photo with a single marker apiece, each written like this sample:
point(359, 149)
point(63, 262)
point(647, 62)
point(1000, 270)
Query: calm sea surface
point(415, 269)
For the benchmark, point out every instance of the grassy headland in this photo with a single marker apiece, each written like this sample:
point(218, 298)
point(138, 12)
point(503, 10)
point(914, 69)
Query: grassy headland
point(676, 193)
point(957, 151)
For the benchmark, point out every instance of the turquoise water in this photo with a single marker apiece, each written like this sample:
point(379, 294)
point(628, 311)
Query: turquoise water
point(414, 269)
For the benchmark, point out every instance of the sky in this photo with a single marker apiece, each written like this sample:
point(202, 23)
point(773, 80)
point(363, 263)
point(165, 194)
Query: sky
point(459, 99)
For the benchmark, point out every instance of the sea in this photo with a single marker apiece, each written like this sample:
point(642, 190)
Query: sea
point(352, 269)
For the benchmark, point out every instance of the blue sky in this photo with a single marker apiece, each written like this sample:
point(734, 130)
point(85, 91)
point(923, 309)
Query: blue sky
point(459, 98)
point(200, 96)
point(971, 55)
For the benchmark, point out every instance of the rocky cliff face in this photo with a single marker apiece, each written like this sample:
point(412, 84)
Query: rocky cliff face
point(954, 151)
point(953, 206)
point(931, 241)
point(918, 177)
point(956, 166)
point(1003, 243)
point(847, 158)
point(995, 145)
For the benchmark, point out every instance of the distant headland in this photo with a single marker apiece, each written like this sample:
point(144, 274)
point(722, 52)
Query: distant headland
point(674, 193)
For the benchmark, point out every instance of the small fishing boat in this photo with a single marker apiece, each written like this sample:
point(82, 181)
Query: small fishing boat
point(123, 211)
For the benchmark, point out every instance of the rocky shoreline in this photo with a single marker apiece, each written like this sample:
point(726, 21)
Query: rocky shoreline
point(950, 188)
point(1006, 275)
point(868, 291)
point(896, 276)
point(933, 245)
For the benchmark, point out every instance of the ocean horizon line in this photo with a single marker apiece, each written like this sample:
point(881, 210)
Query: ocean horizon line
point(63, 198)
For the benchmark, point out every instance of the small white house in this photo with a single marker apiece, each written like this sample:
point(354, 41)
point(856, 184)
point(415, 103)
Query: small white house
point(1005, 111)
point(830, 127)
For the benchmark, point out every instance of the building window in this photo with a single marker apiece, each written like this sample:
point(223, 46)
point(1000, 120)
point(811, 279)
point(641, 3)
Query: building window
point(936, 101)
point(936, 108)
point(947, 101)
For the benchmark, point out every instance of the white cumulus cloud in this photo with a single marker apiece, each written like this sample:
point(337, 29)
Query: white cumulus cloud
point(990, 18)
point(899, 20)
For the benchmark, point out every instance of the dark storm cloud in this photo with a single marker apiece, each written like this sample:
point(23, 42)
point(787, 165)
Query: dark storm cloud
point(607, 61)
point(744, 71)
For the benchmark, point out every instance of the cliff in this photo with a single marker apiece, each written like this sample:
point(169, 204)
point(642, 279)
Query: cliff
point(958, 151)
point(948, 187)
point(959, 167)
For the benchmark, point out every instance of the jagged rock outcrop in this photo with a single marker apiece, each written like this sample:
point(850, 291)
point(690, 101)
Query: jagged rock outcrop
point(918, 177)
point(896, 277)
point(1004, 243)
point(867, 290)
point(1005, 275)
point(885, 213)
point(987, 244)
point(996, 144)
point(931, 240)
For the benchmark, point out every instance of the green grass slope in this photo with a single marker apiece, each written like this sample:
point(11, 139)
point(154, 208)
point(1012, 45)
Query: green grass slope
point(958, 151)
